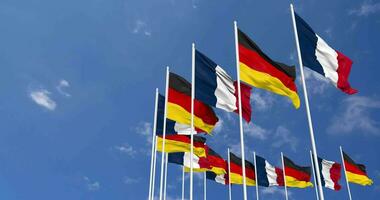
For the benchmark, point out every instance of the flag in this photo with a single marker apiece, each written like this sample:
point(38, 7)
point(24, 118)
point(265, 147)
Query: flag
point(216, 163)
point(179, 106)
point(297, 176)
point(260, 71)
point(172, 127)
point(222, 179)
point(356, 173)
point(330, 172)
point(184, 159)
point(182, 143)
point(236, 171)
point(216, 88)
point(321, 58)
point(268, 175)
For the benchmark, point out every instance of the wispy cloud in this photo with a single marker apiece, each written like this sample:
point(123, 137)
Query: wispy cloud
point(283, 137)
point(126, 149)
point(42, 98)
point(316, 83)
point(355, 114)
point(61, 86)
point(130, 180)
point(218, 127)
point(91, 185)
point(262, 100)
point(140, 27)
point(274, 190)
point(145, 129)
point(365, 9)
point(255, 131)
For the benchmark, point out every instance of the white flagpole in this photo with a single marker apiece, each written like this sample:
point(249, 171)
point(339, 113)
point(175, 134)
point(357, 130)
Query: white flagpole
point(166, 174)
point(283, 172)
point(164, 133)
point(153, 146)
point(204, 186)
point(345, 173)
point(315, 180)
point(240, 112)
point(183, 182)
point(229, 175)
point(154, 166)
point(192, 117)
point(256, 179)
point(313, 145)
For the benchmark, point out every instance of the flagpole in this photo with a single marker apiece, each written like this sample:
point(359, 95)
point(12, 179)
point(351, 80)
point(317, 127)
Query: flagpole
point(154, 166)
point(153, 144)
point(314, 148)
point(183, 182)
point(164, 133)
point(315, 180)
point(192, 117)
point(256, 178)
point(166, 174)
point(240, 112)
point(229, 173)
point(283, 172)
point(204, 186)
point(345, 172)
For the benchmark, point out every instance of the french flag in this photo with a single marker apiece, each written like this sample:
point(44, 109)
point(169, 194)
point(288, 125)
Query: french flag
point(214, 87)
point(184, 159)
point(267, 174)
point(320, 57)
point(331, 173)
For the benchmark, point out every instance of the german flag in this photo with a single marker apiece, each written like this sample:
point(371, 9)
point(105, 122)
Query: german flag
point(182, 143)
point(297, 176)
point(179, 106)
point(260, 71)
point(236, 171)
point(356, 173)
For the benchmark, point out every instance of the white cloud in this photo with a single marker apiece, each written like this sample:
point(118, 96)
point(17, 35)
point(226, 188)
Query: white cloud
point(255, 131)
point(145, 129)
point(356, 115)
point(141, 27)
point(91, 185)
point(315, 82)
point(218, 127)
point(262, 100)
point(60, 87)
point(282, 137)
point(274, 190)
point(365, 9)
point(41, 97)
point(126, 149)
point(130, 180)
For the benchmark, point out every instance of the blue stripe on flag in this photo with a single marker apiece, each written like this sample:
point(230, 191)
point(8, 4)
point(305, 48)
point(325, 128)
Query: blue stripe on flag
point(320, 169)
point(205, 79)
point(176, 158)
point(261, 172)
point(160, 119)
point(308, 45)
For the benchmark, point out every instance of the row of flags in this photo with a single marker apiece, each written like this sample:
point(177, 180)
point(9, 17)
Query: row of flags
point(189, 111)
point(221, 171)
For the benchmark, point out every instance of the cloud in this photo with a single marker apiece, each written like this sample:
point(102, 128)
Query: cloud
point(141, 27)
point(283, 137)
point(130, 180)
point(91, 185)
point(126, 149)
point(316, 83)
point(218, 127)
point(274, 190)
point(262, 100)
point(355, 114)
point(366, 8)
point(41, 97)
point(145, 129)
point(60, 87)
point(255, 131)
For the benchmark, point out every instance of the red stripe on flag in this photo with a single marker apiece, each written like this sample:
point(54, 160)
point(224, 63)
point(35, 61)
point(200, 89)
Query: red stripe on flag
point(335, 175)
point(280, 176)
point(245, 100)
point(299, 175)
point(354, 169)
point(344, 68)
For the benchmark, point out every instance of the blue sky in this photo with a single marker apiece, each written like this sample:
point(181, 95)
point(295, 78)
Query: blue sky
point(78, 79)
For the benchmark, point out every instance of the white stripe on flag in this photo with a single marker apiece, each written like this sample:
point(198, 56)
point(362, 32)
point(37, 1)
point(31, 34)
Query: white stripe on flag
point(271, 174)
point(220, 179)
point(328, 58)
point(326, 166)
point(183, 129)
point(225, 91)
point(187, 158)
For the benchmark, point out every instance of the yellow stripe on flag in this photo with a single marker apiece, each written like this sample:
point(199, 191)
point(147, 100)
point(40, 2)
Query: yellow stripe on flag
point(172, 146)
point(359, 179)
point(216, 170)
point(238, 179)
point(180, 115)
point(267, 82)
point(293, 182)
